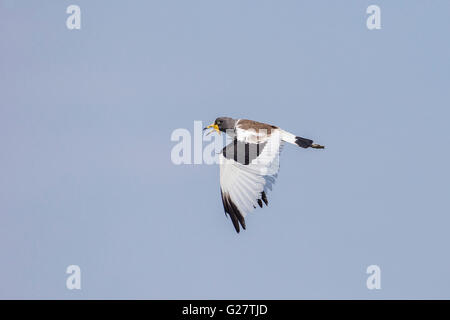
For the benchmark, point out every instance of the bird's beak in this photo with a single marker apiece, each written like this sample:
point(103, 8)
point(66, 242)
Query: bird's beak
point(214, 126)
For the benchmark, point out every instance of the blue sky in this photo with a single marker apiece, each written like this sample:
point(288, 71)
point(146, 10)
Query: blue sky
point(85, 171)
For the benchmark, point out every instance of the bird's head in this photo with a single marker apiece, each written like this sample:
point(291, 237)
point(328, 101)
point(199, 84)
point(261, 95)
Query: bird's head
point(222, 124)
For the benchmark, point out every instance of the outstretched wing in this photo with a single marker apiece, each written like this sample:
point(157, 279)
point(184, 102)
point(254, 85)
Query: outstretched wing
point(247, 172)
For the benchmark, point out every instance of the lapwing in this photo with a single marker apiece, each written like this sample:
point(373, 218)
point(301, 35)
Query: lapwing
point(249, 164)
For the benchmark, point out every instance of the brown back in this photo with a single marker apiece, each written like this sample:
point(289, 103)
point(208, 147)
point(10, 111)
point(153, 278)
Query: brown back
point(250, 124)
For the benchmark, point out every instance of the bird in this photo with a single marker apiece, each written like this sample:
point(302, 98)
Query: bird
point(249, 164)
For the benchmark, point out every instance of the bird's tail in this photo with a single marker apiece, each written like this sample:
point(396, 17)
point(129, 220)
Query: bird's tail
point(299, 141)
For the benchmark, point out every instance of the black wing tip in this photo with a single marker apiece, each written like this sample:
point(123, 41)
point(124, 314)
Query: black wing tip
point(264, 198)
point(260, 203)
point(234, 213)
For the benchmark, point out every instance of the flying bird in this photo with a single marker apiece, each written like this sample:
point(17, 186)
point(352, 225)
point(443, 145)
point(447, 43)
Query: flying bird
point(249, 164)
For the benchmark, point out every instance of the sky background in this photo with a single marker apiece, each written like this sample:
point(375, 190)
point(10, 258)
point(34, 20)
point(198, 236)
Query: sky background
point(86, 176)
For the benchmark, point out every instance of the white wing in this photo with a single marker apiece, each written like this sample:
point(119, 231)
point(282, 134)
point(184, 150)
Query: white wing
point(247, 171)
